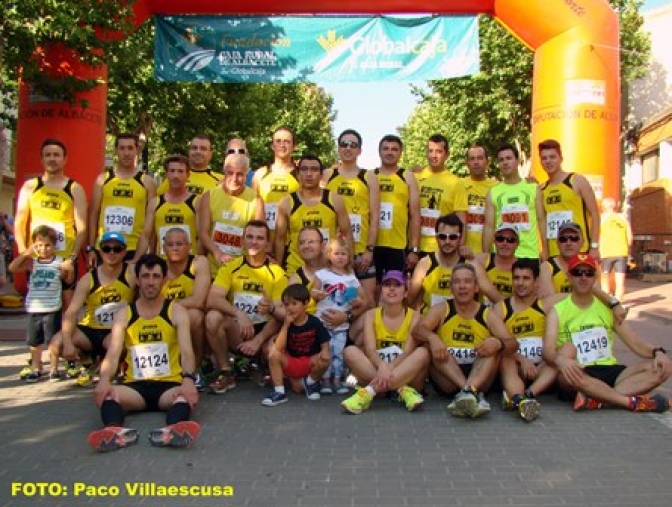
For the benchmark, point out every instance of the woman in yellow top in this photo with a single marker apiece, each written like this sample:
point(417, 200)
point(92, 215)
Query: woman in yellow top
point(389, 361)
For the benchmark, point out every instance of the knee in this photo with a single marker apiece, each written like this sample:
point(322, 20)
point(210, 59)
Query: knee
point(213, 320)
point(274, 355)
point(196, 318)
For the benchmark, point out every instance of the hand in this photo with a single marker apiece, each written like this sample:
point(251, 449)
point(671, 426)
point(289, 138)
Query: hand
point(103, 391)
point(571, 370)
point(222, 258)
point(491, 346)
point(466, 252)
point(595, 253)
point(289, 319)
point(316, 292)
point(91, 259)
point(250, 347)
point(187, 391)
point(411, 260)
point(334, 318)
point(439, 350)
point(325, 357)
point(245, 325)
point(620, 313)
point(70, 352)
point(662, 365)
point(264, 304)
point(527, 368)
point(363, 262)
point(358, 305)
point(384, 377)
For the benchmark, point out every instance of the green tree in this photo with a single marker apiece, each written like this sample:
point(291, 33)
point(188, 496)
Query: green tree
point(496, 103)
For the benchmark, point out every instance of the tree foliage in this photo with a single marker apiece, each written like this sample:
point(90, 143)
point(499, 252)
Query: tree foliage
point(495, 105)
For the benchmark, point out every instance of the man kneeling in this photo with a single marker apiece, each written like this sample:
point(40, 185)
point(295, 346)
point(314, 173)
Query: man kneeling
point(160, 375)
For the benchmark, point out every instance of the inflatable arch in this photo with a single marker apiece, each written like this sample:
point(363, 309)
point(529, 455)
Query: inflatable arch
point(576, 90)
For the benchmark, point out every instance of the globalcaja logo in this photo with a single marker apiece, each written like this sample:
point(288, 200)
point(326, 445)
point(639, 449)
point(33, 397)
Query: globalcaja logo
point(196, 61)
point(330, 41)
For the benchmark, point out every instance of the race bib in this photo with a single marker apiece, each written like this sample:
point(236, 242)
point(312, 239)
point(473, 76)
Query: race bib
point(60, 233)
point(475, 218)
point(150, 360)
point(119, 219)
point(386, 216)
point(463, 355)
point(518, 214)
point(554, 220)
point(104, 315)
point(437, 299)
point(247, 303)
point(591, 345)
point(271, 214)
point(228, 238)
point(356, 226)
point(164, 230)
point(531, 347)
point(428, 219)
point(389, 354)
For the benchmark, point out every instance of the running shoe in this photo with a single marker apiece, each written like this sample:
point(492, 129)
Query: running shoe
point(242, 368)
point(412, 399)
point(583, 402)
point(200, 383)
point(274, 398)
point(313, 390)
point(507, 404)
point(223, 382)
point(464, 404)
point(529, 408)
point(112, 438)
point(86, 374)
point(180, 434)
point(27, 370)
point(72, 371)
point(482, 407)
point(651, 403)
point(326, 388)
point(33, 377)
point(339, 388)
point(358, 402)
point(55, 376)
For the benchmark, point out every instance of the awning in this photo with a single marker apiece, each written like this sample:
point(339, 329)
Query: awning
point(652, 136)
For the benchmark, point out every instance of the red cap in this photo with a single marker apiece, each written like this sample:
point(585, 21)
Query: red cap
point(581, 259)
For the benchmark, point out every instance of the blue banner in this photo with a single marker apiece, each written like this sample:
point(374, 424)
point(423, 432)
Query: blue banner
point(316, 49)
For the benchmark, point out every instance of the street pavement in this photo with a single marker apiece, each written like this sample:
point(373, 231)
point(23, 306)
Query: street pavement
point(308, 453)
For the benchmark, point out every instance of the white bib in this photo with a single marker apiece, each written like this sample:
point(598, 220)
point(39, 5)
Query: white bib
point(104, 314)
point(591, 345)
point(271, 214)
point(150, 360)
point(428, 218)
point(518, 214)
point(228, 238)
point(554, 220)
point(247, 303)
point(389, 354)
point(119, 219)
point(386, 216)
point(463, 355)
point(475, 218)
point(356, 226)
point(531, 347)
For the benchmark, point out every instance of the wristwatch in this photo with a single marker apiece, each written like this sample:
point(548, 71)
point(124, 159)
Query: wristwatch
point(656, 350)
point(613, 302)
point(189, 374)
point(369, 248)
point(414, 250)
point(594, 245)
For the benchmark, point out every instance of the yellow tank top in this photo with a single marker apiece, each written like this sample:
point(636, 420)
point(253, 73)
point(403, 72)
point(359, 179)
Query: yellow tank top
point(436, 284)
point(471, 200)
point(181, 287)
point(228, 216)
point(457, 332)
point(501, 279)
point(355, 194)
point(561, 282)
point(56, 209)
point(103, 301)
point(243, 285)
point(152, 346)
point(516, 204)
point(529, 322)
point(563, 204)
point(308, 284)
point(123, 206)
point(180, 215)
point(393, 222)
point(273, 186)
point(613, 236)
point(591, 330)
point(386, 337)
point(198, 182)
point(321, 215)
point(437, 198)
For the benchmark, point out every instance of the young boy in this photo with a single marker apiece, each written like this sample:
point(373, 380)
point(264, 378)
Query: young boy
point(43, 302)
point(301, 350)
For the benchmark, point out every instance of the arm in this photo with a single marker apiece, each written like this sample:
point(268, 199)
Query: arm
point(280, 343)
point(585, 191)
point(662, 364)
point(541, 224)
point(201, 285)
point(343, 220)
point(70, 316)
point(567, 366)
point(485, 285)
point(259, 209)
point(204, 225)
point(545, 286)
point(501, 340)
point(488, 224)
point(23, 262)
point(413, 208)
point(94, 215)
point(374, 208)
point(423, 332)
point(150, 186)
point(21, 235)
point(147, 231)
point(281, 228)
point(187, 359)
point(415, 290)
point(108, 367)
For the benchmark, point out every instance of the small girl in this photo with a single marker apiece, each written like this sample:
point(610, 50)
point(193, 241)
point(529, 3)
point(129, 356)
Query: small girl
point(335, 288)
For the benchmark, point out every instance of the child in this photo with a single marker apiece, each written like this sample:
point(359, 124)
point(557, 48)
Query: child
point(335, 288)
point(43, 302)
point(301, 350)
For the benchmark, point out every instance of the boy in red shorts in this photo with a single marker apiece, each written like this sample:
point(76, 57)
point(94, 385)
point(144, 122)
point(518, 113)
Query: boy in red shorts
point(300, 352)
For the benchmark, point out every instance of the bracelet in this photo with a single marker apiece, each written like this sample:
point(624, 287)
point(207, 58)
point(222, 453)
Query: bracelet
point(656, 350)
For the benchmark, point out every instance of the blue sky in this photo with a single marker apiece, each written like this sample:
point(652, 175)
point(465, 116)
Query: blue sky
point(376, 109)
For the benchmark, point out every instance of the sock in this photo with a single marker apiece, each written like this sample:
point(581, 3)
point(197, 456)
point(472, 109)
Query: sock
point(178, 412)
point(279, 389)
point(310, 381)
point(111, 413)
point(370, 390)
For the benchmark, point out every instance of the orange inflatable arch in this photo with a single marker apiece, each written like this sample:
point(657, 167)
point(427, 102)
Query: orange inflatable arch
point(576, 91)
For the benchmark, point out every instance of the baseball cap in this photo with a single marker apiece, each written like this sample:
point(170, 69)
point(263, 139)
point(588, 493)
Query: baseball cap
point(394, 275)
point(580, 260)
point(569, 225)
point(506, 226)
point(113, 236)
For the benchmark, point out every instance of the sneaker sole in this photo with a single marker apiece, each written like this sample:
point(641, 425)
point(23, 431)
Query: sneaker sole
point(107, 440)
point(273, 403)
point(415, 406)
point(181, 434)
point(464, 408)
point(530, 412)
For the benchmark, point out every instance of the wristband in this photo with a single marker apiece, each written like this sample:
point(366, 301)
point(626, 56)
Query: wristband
point(656, 350)
point(189, 374)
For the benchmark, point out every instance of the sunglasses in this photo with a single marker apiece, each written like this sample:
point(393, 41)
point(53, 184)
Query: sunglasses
point(443, 236)
point(240, 151)
point(578, 273)
point(574, 238)
point(348, 144)
point(110, 249)
point(506, 239)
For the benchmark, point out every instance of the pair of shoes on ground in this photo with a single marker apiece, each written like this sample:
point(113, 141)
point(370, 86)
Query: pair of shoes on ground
point(528, 407)
point(643, 403)
point(468, 403)
point(112, 438)
point(333, 388)
point(312, 392)
point(224, 381)
point(361, 400)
